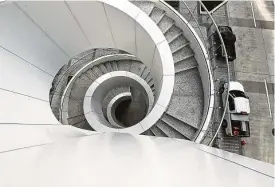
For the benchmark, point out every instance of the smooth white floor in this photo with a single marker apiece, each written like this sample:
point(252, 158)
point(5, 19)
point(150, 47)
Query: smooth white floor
point(120, 160)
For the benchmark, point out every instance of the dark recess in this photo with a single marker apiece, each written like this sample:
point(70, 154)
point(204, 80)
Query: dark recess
point(210, 5)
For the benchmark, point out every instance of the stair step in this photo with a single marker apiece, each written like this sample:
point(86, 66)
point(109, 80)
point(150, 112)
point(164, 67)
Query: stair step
point(108, 66)
point(97, 71)
point(142, 70)
point(172, 33)
point(145, 73)
point(187, 99)
point(124, 65)
point(145, 6)
point(180, 47)
point(157, 132)
point(149, 133)
point(185, 65)
point(103, 68)
point(114, 66)
point(183, 128)
point(149, 80)
point(89, 73)
point(169, 131)
point(165, 24)
point(157, 15)
point(76, 119)
point(182, 54)
point(84, 125)
point(75, 107)
point(180, 58)
point(136, 67)
point(178, 70)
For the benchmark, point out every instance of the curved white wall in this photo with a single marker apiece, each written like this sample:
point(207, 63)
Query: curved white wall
point(37, 38)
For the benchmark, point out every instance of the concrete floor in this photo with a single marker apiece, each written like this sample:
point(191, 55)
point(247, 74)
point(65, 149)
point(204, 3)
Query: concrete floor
point(254, 65)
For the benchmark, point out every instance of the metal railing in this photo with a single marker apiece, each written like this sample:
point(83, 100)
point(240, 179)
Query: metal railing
point(212, 41)
point(202, 22)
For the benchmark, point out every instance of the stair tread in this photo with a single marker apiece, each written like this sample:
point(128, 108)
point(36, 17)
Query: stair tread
point(91, 74)
point(165, 24)
point(108, 67)
point(97, 71)
point(136, 67)
point(178, 42)
point(149, 133)
point(169, 131)
point(172, 33)
point(187, 98)
point(75, 120)
point(145, 6)
point(103, 68)
point(75, 107)
point(157, 14)
point(124, 65)
point(84, 125)
point(114, 66)
point(145, 73)
point(157, 132)
point(182, 54)
point(186, 64)
point(183, 128)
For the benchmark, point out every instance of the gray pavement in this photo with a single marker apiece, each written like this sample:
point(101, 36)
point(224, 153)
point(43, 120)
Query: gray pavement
point(254, 65)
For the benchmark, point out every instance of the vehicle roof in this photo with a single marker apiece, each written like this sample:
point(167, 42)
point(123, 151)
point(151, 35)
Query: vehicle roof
point(236, 86)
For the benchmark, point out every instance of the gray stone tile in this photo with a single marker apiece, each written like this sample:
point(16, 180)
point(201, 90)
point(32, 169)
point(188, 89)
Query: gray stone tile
point(249, 44)
point(252, 76)
point(267, 25)
point(272, 78)
point(251, 66)
point(268, 36)
point(260, 144)
point(258, 106)
point(271, 67)
point(243, 22)
point(271, 100)
point(240, 9)
point(257, 87)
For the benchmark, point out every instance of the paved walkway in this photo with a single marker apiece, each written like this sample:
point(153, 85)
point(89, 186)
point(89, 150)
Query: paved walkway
point(254, 65)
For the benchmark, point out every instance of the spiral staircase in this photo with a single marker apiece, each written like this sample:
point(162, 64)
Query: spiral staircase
point(139, 68)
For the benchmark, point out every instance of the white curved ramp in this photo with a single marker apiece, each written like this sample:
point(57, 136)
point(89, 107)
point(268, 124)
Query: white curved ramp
point(115, 159)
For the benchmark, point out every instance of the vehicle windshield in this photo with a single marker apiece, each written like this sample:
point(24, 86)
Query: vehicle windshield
point(237, 93)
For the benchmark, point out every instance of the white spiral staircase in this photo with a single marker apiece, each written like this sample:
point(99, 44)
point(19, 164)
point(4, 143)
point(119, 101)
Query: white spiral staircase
point(112, 66)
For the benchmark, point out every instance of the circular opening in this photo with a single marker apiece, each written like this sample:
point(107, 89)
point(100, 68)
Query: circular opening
point(130, 111)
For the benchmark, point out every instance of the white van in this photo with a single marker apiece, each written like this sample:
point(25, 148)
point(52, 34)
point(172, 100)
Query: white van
point(236, 120)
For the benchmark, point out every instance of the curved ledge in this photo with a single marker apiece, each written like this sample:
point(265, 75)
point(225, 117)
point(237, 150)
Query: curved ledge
point(95, 94)
point(67, 90)
point(113, 103)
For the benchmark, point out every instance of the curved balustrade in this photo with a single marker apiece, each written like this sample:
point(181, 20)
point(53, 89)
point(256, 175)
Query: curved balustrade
point(211, 46)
